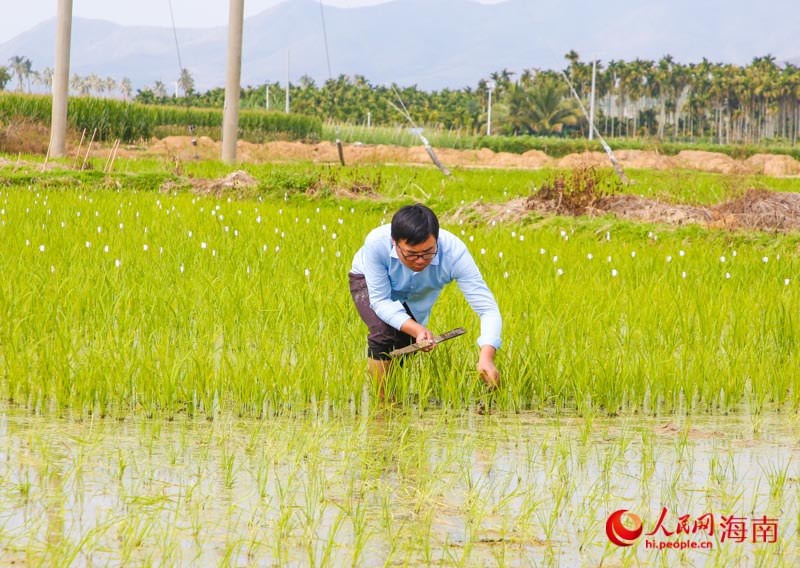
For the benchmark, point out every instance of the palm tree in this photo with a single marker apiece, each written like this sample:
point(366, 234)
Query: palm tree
point(96, 84)
point(75, 83)
point(579, 73)
point(306, 81)
point(542, 108)
point(551, 109)
point(527, 77)
point(789, 89)
point(763, 74)
point(661, 79)
point(641, 72)
point(45, 79)
point(186, 82)
point(502, 80)
point(159, 90)
point(21, 67)
point(5, 77)
point(80, 85)
point(111, 86)
point(127, 88)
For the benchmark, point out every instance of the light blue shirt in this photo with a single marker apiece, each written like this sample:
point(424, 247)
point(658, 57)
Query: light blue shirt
point(390, 282)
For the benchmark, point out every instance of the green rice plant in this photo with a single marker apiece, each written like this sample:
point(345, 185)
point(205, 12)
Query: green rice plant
point(128, 302)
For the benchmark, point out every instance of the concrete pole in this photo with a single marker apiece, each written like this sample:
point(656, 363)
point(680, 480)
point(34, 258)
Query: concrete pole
point(230, 121)
point(287, 81)
point(58, 122)
point(489, 114)
point(591, 101)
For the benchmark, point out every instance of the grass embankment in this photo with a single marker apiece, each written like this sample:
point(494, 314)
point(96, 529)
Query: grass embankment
point(553, 146)
point(126, 301)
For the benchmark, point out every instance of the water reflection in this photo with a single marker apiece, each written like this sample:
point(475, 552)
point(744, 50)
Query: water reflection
point(451, 488)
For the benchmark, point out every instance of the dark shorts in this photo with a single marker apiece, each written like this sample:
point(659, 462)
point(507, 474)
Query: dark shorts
point(382, 337)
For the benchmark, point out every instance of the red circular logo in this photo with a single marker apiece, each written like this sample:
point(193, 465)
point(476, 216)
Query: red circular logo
point(618, 533)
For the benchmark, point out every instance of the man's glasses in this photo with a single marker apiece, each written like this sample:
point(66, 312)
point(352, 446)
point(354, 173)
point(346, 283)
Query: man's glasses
point(415, 256)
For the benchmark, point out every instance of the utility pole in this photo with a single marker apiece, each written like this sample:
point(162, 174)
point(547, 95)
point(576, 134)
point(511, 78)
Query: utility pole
point(287, 81)
point(489, 114)
point(230, 122)
point(591, 101)
point(267, 89)
point(58, 122)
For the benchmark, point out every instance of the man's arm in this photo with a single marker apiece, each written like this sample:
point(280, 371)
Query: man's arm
point(480, 298)
point(466, 274)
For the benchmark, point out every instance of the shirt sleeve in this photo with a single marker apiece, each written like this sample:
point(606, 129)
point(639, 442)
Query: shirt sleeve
point(470, 281)
point(379, 286)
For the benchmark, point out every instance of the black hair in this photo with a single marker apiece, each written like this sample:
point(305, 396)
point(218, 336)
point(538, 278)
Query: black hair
point(414, 224)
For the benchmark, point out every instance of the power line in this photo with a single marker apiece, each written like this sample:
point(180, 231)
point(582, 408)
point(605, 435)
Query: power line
point(175, 34)
point(330, 78)
point(325, 37)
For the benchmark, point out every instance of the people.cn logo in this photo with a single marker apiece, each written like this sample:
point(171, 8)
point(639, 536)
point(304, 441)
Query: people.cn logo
point(618, 533)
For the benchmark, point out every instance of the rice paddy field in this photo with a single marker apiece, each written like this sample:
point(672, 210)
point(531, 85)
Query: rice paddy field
point(183, 379)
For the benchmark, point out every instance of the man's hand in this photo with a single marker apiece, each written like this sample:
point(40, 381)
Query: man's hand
point(425, 335)
point(487, 368)
point(419, 332)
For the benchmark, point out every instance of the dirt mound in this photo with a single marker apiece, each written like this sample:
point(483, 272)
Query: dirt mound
point(536, 159)
point(758, 209)
point(24, 135)
point(773, 165)
point(233, 182)
point(629, 207)
point(584, 160)
point(709, 162)
point(513, 211)
point(289, 150)
point(761, 209)
point(372, 153)
point(638, 208)
point(644, 159)
point(180, 148)
point(636, 159)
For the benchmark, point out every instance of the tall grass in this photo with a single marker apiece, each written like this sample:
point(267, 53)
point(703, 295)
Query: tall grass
point(131, 122)
point(400, 135)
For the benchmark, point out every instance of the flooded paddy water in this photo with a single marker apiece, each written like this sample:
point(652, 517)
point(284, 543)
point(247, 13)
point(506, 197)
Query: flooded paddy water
point(432, 488)
point(157, 311)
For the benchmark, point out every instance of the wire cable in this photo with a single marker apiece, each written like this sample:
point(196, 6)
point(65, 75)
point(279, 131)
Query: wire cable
point(325, 37)
point(330, 78)
point(175, 35)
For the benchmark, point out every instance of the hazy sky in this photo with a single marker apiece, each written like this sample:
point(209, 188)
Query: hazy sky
point(188, 13)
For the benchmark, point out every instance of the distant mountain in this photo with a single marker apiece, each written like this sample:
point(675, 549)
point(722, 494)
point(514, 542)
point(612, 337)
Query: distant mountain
point(430, 43)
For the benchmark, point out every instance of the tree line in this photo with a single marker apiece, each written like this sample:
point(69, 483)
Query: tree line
point(20, 70)
point(705, 101)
